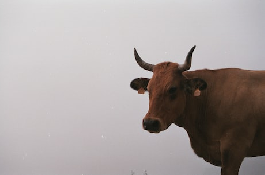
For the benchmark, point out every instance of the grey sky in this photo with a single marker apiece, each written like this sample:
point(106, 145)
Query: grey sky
point(66, 107)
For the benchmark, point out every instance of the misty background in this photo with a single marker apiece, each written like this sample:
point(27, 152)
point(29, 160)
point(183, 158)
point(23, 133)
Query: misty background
point(66, 107)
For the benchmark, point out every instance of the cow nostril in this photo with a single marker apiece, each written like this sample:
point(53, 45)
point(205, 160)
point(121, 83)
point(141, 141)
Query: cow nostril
point(145, 124)
point(151, 124)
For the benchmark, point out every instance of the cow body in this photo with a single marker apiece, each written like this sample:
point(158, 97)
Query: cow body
point(223, 111)
point(231, 108)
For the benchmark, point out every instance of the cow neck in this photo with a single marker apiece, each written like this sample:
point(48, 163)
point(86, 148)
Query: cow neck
point(194, 112)
point(193, 121)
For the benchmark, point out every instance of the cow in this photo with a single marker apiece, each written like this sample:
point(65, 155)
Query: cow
point(223, 110)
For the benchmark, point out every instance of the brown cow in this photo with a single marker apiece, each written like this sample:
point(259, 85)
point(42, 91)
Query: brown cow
point(223, 111)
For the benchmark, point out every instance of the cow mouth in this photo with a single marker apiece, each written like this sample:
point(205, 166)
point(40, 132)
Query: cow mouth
point(152, 125)
point(158, 130)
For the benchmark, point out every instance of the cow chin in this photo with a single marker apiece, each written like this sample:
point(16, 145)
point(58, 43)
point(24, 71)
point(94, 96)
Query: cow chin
point(155, 132)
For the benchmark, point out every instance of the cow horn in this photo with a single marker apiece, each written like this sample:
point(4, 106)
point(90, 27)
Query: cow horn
point(187, 63)
point(142, 63)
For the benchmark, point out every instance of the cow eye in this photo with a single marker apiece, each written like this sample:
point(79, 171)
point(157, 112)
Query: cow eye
point(172, 90)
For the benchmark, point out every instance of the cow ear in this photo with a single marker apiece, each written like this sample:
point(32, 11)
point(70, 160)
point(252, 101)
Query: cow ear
point(195, 86)
point(140, 84)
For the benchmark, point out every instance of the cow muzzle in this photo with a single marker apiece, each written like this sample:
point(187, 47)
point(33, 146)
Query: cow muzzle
point(152, 125)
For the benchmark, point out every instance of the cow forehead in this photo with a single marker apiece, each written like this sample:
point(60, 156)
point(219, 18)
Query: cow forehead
point(164, 75)
point(166, 67)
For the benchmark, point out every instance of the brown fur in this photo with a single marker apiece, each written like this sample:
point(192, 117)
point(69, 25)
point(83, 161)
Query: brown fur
point(225, 123)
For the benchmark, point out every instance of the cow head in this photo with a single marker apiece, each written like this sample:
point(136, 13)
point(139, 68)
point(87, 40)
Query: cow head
point(168, 90)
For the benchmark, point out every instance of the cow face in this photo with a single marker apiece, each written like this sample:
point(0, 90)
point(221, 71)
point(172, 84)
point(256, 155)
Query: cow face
point(167, 89)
